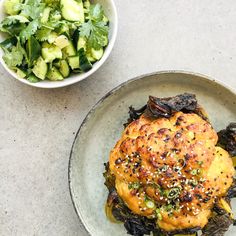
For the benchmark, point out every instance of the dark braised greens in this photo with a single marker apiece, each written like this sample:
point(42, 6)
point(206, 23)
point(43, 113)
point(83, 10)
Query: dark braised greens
point(218, 224)
point(227, 138)
point(166, 107)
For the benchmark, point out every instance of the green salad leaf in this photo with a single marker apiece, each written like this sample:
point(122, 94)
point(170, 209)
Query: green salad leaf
point(30, 30)
point(13, 25)
point(15, 56)
point(10, 20)
point(33, 49)
point(95, 30)
point(31, 9)
point(8, 43)
point(43, 34)
point(96, 12)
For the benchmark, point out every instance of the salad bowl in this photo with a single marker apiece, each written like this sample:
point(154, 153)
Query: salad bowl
point(110, 12)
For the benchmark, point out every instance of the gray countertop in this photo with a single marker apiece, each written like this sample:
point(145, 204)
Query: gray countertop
point(37, 127)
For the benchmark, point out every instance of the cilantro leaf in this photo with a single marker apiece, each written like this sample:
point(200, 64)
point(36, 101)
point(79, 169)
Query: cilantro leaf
point(95, 30)
point(32, 9)
point(8, 43)
point(31, 28)
point(98, 36)
point(15, 56)
point(10, 20)
point(43, 34)
point(96, 12)
point(86, 29)
point(13, 24)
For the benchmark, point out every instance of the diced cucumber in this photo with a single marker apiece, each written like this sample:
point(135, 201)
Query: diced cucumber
point(74, 62)
point(20, 73)
point(77, 71)
point(69, 50)
point(32, 78)
point(45, 15)
point(90, 57)
point(97, 54)
point(10, 6)
point(87, 4)
point(57, 63)
point(64, 68)
point(84, 63)
point(40, 68)
point(61, 41)
point(54, 74)
point(72, 10)
point(105, 19)
point(52, 37)
point(81, 43)
point(75, 37)
point(64, 28)
point(50, 52)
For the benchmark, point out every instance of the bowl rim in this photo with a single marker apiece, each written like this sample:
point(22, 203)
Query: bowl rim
point(112, 91)
point(77, 77)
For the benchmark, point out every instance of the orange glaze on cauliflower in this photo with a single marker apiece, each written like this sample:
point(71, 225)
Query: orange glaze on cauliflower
point(171, 169)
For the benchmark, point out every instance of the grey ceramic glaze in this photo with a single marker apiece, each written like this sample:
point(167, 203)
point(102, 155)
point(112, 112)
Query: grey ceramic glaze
point(104, 124)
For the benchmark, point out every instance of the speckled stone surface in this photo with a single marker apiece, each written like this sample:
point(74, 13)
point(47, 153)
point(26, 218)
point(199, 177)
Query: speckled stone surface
point(37, 127)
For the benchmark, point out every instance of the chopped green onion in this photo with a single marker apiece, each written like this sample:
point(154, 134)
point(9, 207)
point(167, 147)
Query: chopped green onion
point(200, 163)
point(164, 168)
point(159, 216)
point(169, 207)
point(158, 213)
point(173, 193)
point(150, 204)
point(193, 172)
point(135, 185)
point(193, 182)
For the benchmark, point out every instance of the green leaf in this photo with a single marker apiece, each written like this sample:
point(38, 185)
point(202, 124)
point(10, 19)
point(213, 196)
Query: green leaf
point(43, 34)
point(98, 36)
point(13, 25)
point(96, 12)
point(32, 9)
point(30, 30)
point(14, 57)
point(86, 29)
point(10, 20)
point(13, 30)
point(9, 43)
point(33, 49)
point(95, 30)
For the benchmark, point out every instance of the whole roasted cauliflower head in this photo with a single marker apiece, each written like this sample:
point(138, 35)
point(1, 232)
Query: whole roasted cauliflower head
point(168, 168)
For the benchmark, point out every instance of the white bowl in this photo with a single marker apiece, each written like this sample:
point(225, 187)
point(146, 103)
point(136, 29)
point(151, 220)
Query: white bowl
point(110, 11)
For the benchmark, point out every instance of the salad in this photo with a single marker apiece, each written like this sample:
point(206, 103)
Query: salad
point(50, 39)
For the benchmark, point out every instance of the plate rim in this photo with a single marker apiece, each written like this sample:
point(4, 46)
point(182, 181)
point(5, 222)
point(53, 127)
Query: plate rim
point(108, 94)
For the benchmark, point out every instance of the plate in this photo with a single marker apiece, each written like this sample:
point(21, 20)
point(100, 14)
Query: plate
point(103, 126)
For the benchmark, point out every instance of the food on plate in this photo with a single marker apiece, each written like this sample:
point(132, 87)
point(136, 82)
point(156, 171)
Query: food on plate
point(170, 173)
point(50, 39)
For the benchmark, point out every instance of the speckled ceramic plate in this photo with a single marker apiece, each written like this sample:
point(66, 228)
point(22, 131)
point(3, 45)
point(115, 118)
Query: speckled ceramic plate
point(103, 126)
